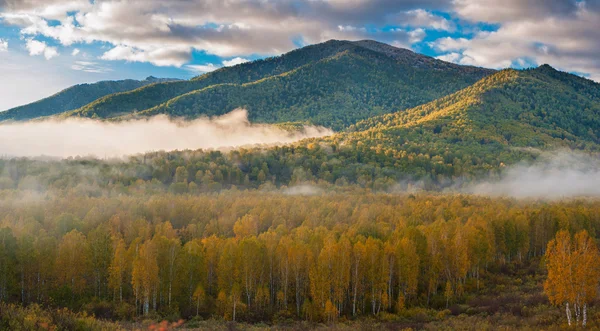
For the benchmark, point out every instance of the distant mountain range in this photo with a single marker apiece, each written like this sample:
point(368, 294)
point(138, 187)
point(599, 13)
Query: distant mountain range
point(334, 84)
point(75, 97)
point(363, 88)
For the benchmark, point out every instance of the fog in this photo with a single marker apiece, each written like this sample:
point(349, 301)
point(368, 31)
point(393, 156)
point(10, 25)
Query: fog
point(86, 137)
point(554, 175)
point(305, 189)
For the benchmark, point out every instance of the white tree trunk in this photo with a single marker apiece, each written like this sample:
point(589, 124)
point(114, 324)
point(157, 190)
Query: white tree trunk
point(568, 314)
point(584, 322)
point(234, 306)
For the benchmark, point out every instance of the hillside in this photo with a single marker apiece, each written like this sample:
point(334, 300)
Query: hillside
point(74, 97)
point(540, 108)
point(335, 84)
point(503, 119)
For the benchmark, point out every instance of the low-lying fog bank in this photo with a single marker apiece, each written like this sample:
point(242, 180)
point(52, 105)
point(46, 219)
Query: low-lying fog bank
point(87, 137)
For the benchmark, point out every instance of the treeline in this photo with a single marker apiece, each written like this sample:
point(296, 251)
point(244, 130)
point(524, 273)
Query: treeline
point(338, 162)
point(258, 257)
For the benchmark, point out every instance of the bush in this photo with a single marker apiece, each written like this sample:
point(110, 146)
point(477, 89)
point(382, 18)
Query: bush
point(33, 317)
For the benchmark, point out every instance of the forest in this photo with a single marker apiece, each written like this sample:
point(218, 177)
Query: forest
point(424, 260)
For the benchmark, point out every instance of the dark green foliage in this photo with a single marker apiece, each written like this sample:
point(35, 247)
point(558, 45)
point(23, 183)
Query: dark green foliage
point(334, 84)
point(73, 98)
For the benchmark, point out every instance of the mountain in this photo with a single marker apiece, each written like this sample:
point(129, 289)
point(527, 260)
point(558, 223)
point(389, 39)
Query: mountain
point(335, 84)
point(503, 119)
point(541, 108)
point(75, 97)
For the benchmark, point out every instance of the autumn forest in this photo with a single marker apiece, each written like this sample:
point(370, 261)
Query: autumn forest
point(251, 256)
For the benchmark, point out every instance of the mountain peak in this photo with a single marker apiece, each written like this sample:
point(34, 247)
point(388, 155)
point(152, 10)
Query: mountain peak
point(546, 67)
point(372, 42)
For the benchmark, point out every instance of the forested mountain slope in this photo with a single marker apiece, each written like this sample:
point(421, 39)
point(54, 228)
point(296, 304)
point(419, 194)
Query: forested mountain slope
point(75, 97)
point(504, 119)
point(334, 84)
point(540, 108)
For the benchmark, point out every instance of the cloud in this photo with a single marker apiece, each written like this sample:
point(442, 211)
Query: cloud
point(36, 47)
point(234, 61)
point(450, 57)
point(424, 19)
point(162, 56)
point(91, 67)
point(85, 137)
point(564, 34)
point(553, 176)
point(209, 67)
point(3, 45)
point(149, 31)
point(75, 52)
point(51, 9)
point(493, 11)
point(203, 68)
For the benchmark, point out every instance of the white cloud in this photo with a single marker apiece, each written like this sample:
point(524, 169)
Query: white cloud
point(75, 52)
point(3, 45)
point(161, 56)
point(450, 57)
point(203, 68)
point(209, 67)
point(36, 47)
point(416, 35)
point(450, 44)
point(424, 19)
point(568, 41)
point(91, 67)
point(235, 61)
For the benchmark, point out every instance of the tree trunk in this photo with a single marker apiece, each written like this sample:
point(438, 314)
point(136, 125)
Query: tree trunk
point(234, 306)
point(355, 289)
point(298, 298)
point(22, 286)
point(198, 306)
point(584, 322)
point(146, 304)
point(568, 311)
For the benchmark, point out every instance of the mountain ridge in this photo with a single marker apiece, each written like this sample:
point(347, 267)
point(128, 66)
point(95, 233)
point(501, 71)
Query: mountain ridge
point(74, 97)
point(320, 96)
point(503, 119)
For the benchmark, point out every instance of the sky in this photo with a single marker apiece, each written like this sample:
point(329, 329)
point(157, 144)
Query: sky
point(48, 45)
